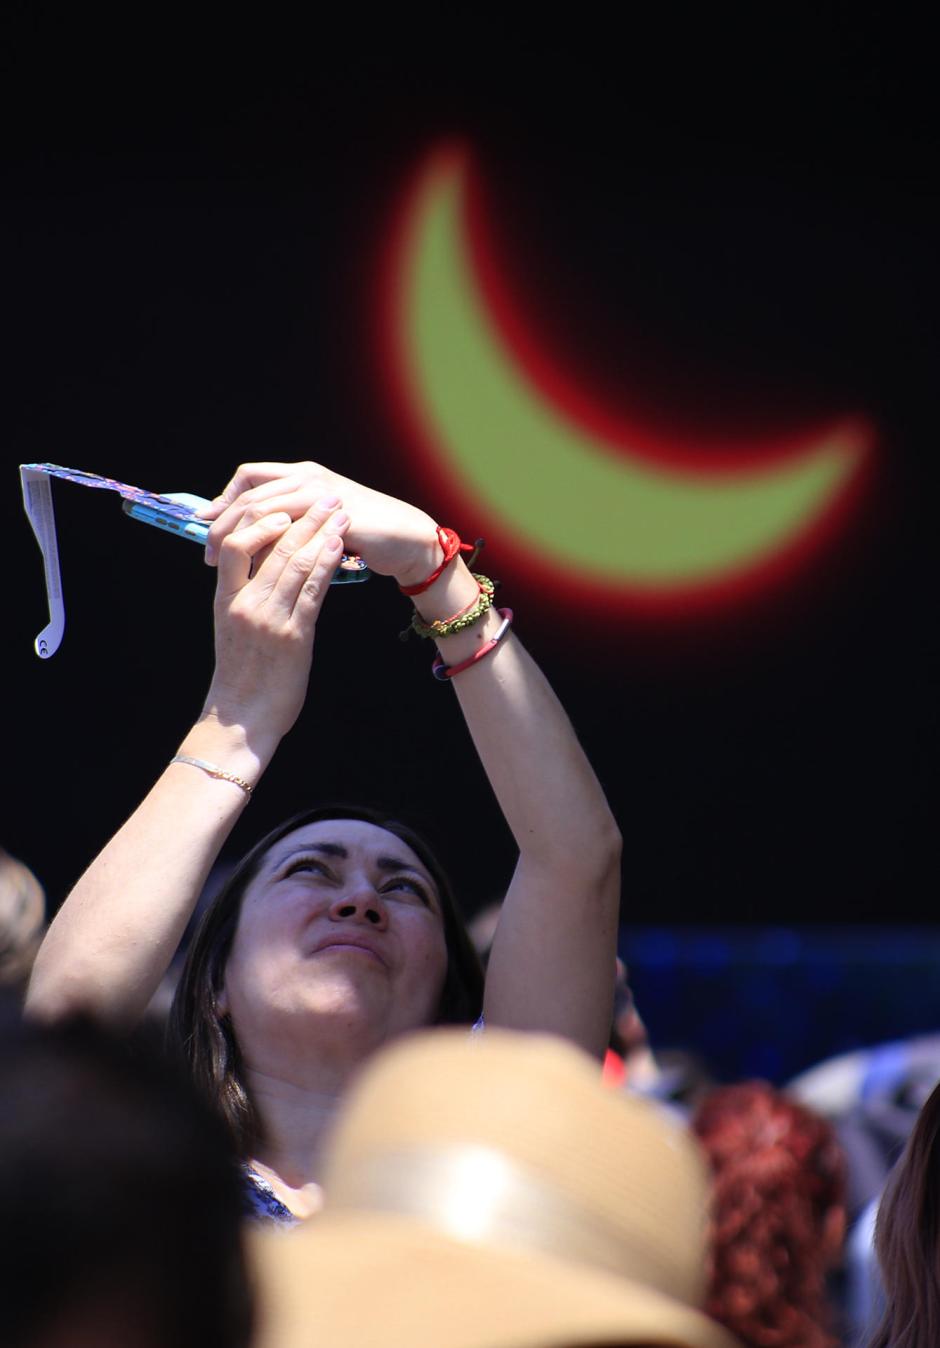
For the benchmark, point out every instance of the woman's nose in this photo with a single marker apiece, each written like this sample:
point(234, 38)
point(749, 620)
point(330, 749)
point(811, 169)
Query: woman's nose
point(363, 905)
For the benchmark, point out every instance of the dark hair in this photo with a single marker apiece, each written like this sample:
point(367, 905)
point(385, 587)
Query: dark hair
point(205, 1037)
point(777, 1173)
point(907, 1239)
point(121, 1194)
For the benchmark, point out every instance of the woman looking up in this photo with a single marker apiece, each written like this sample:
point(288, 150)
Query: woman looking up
point(338, 932)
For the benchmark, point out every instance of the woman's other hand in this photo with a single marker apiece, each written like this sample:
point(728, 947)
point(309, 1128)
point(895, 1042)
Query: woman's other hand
point(273, 577)
point(393, 537)
point(113, 939)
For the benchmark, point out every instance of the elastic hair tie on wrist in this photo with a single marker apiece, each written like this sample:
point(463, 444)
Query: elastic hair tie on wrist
point(451, 545)
point(213, 771)
point(444, 672)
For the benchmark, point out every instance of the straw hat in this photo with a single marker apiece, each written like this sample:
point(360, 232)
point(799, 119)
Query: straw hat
point(489, 1192)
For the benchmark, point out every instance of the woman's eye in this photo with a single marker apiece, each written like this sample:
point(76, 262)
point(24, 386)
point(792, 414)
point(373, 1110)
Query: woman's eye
point(306, 864)
point(411, 887)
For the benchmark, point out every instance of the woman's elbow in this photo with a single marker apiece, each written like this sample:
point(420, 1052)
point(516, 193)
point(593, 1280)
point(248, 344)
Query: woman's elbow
point(606, 852)
point(54, 995)
point(45, 1004)
point(592, 867)
point(612, 844)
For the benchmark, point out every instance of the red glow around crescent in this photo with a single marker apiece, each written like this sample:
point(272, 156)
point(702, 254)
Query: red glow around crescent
point(619, 432)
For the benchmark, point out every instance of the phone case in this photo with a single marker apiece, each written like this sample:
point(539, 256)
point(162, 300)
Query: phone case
point(180, 520)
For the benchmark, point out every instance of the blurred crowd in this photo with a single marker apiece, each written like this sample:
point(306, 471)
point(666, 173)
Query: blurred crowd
point(490, 1189)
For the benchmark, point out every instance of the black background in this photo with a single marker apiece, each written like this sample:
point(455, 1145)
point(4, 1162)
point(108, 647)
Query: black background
point(719, 227)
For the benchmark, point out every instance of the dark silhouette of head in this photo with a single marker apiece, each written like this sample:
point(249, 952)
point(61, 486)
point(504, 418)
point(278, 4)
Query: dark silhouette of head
point(120, 1196)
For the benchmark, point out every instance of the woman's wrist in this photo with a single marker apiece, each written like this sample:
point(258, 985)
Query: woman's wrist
point(230, 745)
point(423, 555)
point(454, 589)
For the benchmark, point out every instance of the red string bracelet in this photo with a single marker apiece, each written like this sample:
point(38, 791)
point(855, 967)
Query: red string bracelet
point(445, 672)
point(450, 543)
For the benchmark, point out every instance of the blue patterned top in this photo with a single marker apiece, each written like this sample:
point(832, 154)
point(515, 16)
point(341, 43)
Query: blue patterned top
point(261, 1204)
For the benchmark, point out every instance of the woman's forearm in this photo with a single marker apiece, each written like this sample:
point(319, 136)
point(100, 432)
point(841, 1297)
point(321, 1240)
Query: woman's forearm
point(545, 786)
point(115, 935)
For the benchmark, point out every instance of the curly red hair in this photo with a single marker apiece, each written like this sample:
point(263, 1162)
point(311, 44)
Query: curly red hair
point(778, 1174)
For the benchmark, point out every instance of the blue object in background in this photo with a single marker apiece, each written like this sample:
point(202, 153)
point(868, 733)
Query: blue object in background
point(772, 1001)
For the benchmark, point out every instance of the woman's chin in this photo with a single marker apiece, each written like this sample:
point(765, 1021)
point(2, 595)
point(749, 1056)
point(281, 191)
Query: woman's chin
point(344, 1008)
point(346, 1001)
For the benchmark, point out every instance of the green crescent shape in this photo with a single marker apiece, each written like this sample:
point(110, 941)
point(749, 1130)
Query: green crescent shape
point(580, 502)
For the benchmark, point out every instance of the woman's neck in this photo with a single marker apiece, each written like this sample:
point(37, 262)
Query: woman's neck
point(295, 1103)
point(295, 1083)
point(294, 1119)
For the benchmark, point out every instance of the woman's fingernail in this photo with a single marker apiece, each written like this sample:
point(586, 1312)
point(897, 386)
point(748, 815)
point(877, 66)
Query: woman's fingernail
point(279, 519)
point(210, 557)
point(333, 543)
point(340, 521)
point(328, 502)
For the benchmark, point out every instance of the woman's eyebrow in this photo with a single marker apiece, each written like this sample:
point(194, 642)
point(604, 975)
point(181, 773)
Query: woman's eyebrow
point(328, 849)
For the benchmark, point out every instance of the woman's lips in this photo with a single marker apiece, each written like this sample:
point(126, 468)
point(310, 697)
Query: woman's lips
point(342, 942)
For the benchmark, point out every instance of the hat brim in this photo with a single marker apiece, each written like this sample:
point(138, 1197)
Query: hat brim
point(356, 1280)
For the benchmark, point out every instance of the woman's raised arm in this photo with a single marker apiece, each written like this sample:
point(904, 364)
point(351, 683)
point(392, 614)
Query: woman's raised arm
point(116, 933)
point(553, 958)
point(552, 963)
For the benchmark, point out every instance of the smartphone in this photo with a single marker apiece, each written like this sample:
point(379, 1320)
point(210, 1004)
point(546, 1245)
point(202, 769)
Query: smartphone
point(176, 513)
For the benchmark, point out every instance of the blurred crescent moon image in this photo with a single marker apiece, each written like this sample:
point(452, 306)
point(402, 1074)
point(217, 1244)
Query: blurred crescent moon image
point(581, 501)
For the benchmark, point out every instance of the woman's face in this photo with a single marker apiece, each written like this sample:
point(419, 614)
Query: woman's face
point(342, 922)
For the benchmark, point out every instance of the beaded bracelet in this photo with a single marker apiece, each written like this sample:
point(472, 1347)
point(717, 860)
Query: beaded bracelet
point(460, 621)
point(214, 771)
point(450, 543)
point(432, 629)
point(444, 672)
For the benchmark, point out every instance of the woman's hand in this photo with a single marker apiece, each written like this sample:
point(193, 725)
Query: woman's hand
point(114, 937)
point(394, 538)
point(273, 577)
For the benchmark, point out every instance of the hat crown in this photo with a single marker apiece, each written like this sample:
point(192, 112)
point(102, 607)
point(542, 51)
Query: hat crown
point(510, 1140)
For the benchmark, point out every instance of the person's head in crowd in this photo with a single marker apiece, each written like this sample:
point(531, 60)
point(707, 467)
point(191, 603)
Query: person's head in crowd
point(490, 1192)
point(214, 986)
point(778, 1215)
point(22, 920)
point(120, 1200)
point(907, 1239)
